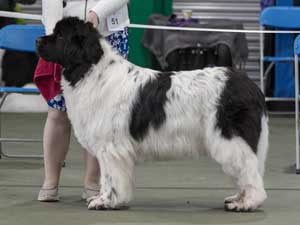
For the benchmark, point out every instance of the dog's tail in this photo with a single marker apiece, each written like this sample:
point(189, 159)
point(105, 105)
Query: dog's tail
point(263, 144)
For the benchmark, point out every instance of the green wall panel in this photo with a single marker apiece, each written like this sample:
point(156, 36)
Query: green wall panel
point(139, 11)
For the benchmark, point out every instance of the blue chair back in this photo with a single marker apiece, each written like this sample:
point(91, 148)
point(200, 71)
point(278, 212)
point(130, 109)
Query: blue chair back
point(20, 37)
point(281, 17)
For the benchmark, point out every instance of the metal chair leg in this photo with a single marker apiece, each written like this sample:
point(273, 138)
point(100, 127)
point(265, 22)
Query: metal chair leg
point(15, 140)
point(297, 113)
point(261, 47)
point(1, 104)
point(0, 150)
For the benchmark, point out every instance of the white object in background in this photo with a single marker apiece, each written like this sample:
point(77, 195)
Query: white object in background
point(118, 20)
point(15, 102)
point(187, 14)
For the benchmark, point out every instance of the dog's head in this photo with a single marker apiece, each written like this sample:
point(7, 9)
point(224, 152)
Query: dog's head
point(73, 43)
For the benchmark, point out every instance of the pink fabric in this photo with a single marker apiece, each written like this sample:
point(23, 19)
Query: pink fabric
point(47, 77)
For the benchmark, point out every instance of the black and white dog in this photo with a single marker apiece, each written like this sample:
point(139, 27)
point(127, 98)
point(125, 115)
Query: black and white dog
point(121, 112)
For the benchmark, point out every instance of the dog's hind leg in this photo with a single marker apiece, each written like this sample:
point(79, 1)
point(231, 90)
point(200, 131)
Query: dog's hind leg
point(117, 183)
point(240, 162)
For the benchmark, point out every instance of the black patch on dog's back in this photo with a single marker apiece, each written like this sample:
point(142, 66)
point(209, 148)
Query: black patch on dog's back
point(149, 107)
point(240, 109)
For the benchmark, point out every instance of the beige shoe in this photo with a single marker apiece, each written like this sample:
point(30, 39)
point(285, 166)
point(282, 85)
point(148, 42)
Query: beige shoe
point(88, 193)
point(48, 195)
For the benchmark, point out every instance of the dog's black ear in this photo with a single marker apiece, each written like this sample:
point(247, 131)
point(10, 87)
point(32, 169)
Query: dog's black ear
point(92, 50)
point(92, 47)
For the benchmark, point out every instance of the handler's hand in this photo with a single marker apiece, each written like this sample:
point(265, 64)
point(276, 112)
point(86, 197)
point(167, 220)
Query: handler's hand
point(93, 18)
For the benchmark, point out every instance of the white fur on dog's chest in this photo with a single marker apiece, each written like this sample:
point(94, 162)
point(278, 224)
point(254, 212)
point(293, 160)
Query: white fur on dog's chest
point(96, 111)
point(75, 102)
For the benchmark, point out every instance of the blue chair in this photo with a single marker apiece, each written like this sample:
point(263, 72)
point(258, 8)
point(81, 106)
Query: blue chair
point(20, 38)
point(279, 18)
point(296, 62)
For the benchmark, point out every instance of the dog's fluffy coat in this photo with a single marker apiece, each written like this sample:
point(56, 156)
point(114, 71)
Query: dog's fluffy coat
point(121, 112)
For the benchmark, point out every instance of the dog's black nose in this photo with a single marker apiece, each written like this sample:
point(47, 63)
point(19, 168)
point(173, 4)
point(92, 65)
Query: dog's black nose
point(38, 41)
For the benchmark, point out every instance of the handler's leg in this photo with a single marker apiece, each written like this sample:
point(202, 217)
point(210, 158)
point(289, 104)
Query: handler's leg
point(55, 143)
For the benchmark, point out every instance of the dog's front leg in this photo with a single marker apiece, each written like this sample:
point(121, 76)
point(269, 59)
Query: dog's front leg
point(116, 165)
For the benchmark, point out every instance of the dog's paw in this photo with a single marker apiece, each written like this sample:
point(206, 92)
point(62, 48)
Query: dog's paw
point(98, 203)
point(101, 203)
point(232, 198)
point(247, 201)
point(239, 206)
